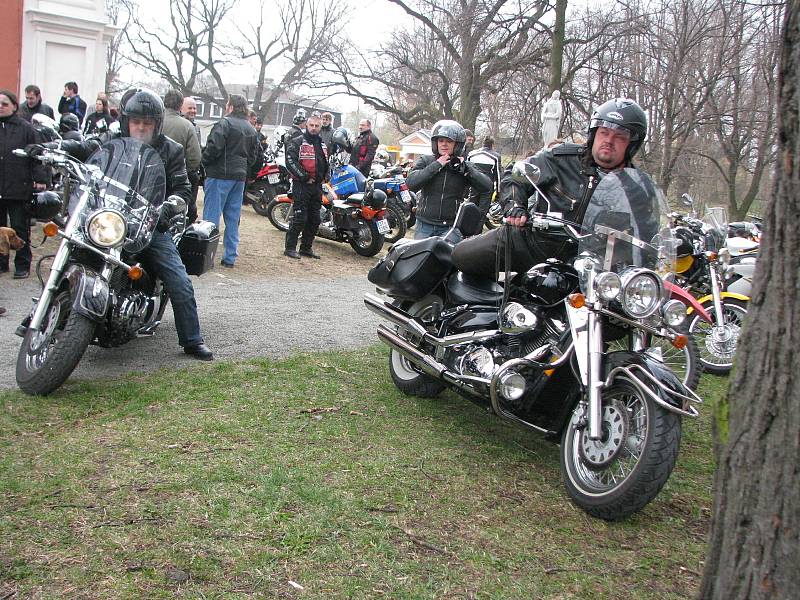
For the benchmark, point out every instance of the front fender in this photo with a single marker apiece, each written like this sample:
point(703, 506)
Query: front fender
point(722, 295)
point(676, 292)
point(89, 291)
point(653, 378)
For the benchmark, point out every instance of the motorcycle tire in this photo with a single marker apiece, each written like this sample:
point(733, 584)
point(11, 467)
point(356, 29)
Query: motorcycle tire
point(279, 214)
point(368, 241)
point(404, 374)
point(260, 197)
point(411, 219)
point(618, 475)
point(717, 355)
point(47, 357)
point(397, 222)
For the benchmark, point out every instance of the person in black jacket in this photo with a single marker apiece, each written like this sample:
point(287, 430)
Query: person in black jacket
point(71, 102)
point(307, 163)
point(100, 119)
point(33, 104)
point(364, 148)
point(19, 176)
point(569, 173)
point(231, 157)
point(326, 133)
point(441, 178)
point(142, 118)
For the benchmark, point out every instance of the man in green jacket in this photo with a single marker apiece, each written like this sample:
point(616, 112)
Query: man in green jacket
point(182, 131)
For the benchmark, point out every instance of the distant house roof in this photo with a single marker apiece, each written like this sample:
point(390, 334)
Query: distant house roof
point(419, 138)
point(248, 90)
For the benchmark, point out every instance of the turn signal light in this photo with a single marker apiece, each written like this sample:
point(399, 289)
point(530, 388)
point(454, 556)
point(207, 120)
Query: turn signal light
point(576, 300)
point(680, 341)
point(135, 273)
point(50, 229)
point(711, 255)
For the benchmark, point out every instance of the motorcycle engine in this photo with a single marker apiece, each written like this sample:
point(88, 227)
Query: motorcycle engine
point(128, 314)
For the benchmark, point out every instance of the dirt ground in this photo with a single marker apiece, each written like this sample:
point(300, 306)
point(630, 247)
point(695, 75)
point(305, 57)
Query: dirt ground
point(261, 253)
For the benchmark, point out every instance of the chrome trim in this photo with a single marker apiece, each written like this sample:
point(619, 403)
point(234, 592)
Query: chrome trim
point(687, 411)
point(631, 273)
point(94, 215)
point(498, 409)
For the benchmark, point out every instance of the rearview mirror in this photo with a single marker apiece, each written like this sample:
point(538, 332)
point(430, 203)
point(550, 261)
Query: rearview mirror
point(525, 172)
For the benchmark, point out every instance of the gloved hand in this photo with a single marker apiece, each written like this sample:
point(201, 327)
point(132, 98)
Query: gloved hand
point(34, 150)
point(516, 216)
point(172, 211)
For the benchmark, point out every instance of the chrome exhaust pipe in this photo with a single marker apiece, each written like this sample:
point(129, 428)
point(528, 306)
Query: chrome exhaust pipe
point(429, 365)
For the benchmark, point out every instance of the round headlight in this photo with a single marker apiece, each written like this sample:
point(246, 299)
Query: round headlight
point(512, 386)
point(106, 228)
point(608, 285)
point(674, 313)
point(641, 293)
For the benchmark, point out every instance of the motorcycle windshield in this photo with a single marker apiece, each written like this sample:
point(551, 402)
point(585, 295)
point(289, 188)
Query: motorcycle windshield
point(134, 182)
point(715, 226)
point(626, 226)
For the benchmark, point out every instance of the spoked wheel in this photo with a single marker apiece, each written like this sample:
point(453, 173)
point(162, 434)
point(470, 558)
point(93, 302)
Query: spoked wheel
point(260, 197)
point(48, 356)
point(368, 241)
point(397, 222)
point(405, 375)
point(617, 475)
point(717, 344)
point(279, 214)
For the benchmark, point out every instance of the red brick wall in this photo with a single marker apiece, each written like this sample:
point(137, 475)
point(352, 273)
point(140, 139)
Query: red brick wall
point(11, 34)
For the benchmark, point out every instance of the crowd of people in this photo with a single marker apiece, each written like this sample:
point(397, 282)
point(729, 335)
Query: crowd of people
point(233, 154)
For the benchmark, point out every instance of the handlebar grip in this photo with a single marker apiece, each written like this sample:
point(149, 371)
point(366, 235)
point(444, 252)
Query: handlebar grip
point(19, 152)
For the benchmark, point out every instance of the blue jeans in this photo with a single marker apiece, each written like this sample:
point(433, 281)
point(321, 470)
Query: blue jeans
point(223, 197)
point(423, 229)
point(162, 256)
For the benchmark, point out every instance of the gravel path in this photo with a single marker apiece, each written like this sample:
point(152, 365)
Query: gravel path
point(239, 317)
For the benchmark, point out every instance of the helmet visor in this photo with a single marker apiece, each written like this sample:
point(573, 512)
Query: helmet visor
point(618, 129)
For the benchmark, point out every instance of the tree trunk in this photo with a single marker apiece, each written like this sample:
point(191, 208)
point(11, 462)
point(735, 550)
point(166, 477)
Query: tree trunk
point(754, 551)
point(557, 55)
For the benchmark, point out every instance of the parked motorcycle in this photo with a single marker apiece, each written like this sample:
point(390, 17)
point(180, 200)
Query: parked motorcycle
point(358, 220)
point(270, 181)
point(535, 349)
point(96, 291)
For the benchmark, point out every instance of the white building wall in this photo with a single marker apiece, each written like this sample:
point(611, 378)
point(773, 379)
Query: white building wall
point(65, 40)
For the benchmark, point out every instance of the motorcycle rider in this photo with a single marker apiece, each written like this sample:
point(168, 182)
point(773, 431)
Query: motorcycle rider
point(326, 133)
point(364, 148)
point(142, 118)
point(488, 161)
point(70, 127)
point(441, 178)
point(297, 128)
point(307, 163)
point(569, 174)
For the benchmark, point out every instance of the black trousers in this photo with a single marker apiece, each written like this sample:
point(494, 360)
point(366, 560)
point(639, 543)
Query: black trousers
point(307, 202)
point(485, 254)
point(194, 181)
point(14, 214)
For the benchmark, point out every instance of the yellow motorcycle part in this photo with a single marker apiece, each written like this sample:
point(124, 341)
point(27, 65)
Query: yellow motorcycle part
point(723, 295)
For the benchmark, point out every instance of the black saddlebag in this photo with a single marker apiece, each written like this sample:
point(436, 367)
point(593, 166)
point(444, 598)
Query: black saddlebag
point(412, 269)
point(198, 246)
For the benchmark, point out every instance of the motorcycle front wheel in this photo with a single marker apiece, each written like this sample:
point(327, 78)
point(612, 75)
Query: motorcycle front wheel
point(397, 222)
point(260, 196)
point(717, 345)
point(619, 474)
point(48, 356)
point(367, 240)
point(279, 214)
point(405, 375)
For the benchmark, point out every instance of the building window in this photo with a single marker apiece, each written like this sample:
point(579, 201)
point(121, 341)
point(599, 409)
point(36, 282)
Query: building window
point(216, 111)
point(200, 107)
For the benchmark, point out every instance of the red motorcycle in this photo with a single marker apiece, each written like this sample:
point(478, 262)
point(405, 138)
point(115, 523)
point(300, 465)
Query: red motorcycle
point(271, 181)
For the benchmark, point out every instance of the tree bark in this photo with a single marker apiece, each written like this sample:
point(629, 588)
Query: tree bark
point(754, 551)
point(557, 54)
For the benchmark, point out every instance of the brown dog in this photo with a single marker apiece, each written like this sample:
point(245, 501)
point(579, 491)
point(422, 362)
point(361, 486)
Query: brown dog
point(9, 240)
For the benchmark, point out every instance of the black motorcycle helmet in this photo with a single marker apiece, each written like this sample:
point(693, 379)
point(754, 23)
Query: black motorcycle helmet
point(299, 117)
point(620, 113)
point(342, 137)
point(45, 205)
point(69, 122)
point(144, 103)
point(451, 130)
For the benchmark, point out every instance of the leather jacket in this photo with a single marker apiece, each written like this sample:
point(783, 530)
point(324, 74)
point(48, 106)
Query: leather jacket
point(442, 188)
point(232, 150)
point(363, 152)
point(307, 158)
point(17, 173)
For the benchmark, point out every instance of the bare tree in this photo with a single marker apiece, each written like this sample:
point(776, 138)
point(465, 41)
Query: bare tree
point(440, 66)
point(754, 550)
point(119, 16)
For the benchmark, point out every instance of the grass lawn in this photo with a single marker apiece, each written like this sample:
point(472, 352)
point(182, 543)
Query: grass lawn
point(313, 477)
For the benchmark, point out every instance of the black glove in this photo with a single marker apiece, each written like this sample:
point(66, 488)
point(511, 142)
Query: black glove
point(34, 150)
point(516, 211)
point(172, 211)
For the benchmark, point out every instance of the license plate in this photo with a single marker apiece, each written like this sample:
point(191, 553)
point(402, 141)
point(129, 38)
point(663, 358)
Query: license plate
point(383, 226)
point(406, 196)
point(273, 178)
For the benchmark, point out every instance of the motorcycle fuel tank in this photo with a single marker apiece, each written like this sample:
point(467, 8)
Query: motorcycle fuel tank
point(549, 283)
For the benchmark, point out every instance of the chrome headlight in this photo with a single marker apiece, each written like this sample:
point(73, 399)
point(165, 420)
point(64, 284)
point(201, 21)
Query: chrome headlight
point(106, 228)
point(642, 291)
point(608, 285)
point(674, 313)
point(511, 386)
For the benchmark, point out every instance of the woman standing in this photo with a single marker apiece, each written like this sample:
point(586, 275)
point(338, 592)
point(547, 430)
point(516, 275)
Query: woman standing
point(17, 177)
point(100, 119)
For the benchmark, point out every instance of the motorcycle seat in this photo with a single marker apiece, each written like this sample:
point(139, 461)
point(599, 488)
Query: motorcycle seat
point(469, 289)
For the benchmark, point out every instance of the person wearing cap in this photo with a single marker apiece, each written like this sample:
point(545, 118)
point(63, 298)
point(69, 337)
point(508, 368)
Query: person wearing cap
point(569, 174)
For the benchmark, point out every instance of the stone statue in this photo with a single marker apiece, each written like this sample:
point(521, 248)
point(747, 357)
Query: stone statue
point(551, 118)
